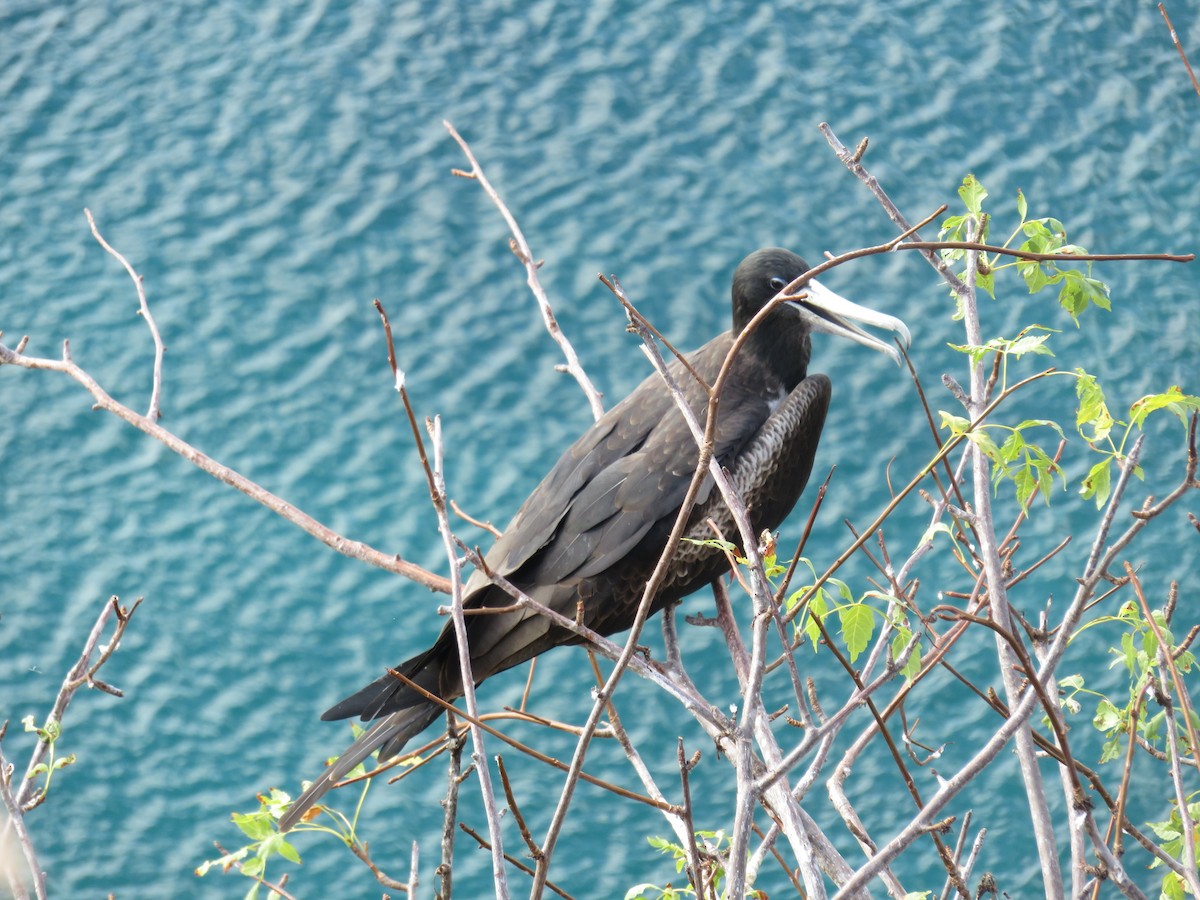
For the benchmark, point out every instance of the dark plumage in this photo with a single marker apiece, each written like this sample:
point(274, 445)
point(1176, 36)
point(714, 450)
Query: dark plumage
point(596, 525)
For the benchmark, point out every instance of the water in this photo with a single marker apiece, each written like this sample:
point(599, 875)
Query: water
point(270, 170)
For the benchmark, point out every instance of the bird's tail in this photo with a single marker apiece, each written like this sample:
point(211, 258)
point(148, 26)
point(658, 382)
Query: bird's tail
point(390, 733)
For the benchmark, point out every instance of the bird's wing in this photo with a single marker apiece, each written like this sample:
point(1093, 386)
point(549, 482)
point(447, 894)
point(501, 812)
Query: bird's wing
point(624, 475)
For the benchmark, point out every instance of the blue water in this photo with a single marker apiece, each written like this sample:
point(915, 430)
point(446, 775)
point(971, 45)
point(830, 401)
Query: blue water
point(271, 168)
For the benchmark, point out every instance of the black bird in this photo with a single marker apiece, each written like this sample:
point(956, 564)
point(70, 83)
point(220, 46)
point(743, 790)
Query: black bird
point(594, 528)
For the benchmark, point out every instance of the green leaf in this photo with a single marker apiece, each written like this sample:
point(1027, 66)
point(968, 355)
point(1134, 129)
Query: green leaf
point(858, 624)
point(1173, 399)
point(1149, 727)
point(255, 865)
point(1129, 655)
point(1035, 277)
point(843, 589)
point(956, 424)
point(913, 666)
point(711, 542)
point(935, 529)
point(972, 194)
point(1111, 749)
point(1012, 446)
point(1097, 482)
point(1107, 716)
point(255, 826)
point(1021, 206)
point(900, 640)
point(984, 442)
point(277, 843)
point(1166, 831)
point(1172, 887)
point(818, 606)
point(1026, 483)
point(1093, 410)
point(1033, 343)
point(1044, 423)
point(986, 282)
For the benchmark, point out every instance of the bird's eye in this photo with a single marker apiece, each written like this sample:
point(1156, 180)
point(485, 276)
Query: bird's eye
point(778, 284)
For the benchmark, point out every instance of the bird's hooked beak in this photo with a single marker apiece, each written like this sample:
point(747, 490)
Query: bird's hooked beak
point(832, 313)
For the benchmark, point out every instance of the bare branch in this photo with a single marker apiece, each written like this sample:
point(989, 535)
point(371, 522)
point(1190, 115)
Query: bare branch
point(512, 860)
point(478, 755)
point(16, 821)
point(354, 549)
point(154, 412)
point(1178, 46)
point(520, 248)
point(1035, 792)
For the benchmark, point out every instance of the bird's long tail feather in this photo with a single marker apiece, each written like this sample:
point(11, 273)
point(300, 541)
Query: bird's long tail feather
point(390, 733)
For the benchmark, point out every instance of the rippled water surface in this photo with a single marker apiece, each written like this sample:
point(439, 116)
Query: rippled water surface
point(271, 168)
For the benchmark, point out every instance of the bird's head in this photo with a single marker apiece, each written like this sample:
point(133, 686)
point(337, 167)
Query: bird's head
point(766, 273)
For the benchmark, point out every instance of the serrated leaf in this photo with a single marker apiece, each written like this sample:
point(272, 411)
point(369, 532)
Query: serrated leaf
point(1045, 423)
point(1149, 727)
point(1033, 343)
point(1107, 716)
point(956, 424)
point(858, 624)
point(818, 608)
point(984, 442)
point(900, 640)
point(975, 352)
point(278, 843)
point(1093, 410)
point(986, 282)
point(1012, 446)
point(913, 667)
point(935, 529)
point(254, 825)
point(1165, 831)
point(1111, 749)
point(972, 194)
point(255, 865)
point(1172, 887)
point(1128, 654)
point(1173, 399)
point(1035, 277)
point(843, 589)
point(1097, 484)
point(1026, 482)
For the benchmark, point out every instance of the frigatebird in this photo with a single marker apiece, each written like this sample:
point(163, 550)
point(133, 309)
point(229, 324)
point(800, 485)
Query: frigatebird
point(590, 534)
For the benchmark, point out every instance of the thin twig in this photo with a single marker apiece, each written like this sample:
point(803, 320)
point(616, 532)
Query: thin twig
point(535, 851)
point(520, 248)
point(154, 412)
point(1178, 46)
point(83, 672)
point(275, 888)
point(478, 754)
point(445, 870)
point(16, 820)
point(355, 549)
point(512, 860)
